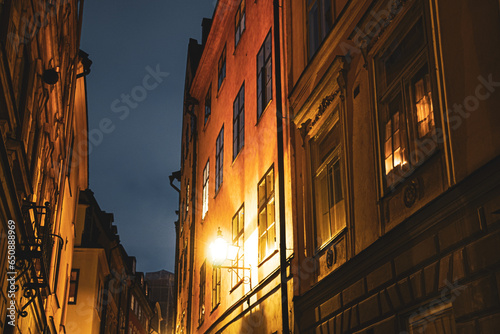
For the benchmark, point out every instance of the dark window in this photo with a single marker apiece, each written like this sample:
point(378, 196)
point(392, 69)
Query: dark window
point(222, 67)
point(406, 117)
point(202, 293)
point(240, 23)
point(321, 15)
point(267, 224)
point(206, 172)
point(216, 274)
point(219, 160)
point(208, 104)
point(238, 229)
point(239, 122)
point(73, 286)
point(264, 75)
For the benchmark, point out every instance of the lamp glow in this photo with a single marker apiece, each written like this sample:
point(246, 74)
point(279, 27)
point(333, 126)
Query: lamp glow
point(219, 249)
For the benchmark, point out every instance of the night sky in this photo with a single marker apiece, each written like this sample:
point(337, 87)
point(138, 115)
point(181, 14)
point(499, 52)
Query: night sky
point(135, 91)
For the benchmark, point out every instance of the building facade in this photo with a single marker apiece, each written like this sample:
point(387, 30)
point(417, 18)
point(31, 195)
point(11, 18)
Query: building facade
point(393, 107)
point(43, 159)
point(232, 177)
point(106, 294)
point(390, 160)
point(162, 291)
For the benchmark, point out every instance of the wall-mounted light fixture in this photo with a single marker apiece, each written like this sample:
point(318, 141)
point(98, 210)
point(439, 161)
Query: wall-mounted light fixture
point(221, 251)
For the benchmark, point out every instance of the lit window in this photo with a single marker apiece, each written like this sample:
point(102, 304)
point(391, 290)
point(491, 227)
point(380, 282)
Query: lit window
point(73, 286)
point(238, 229)
point(216, 278)
point(267, 224)
point(406, 115)
point(201, 299)
point(222, 68)
point(264, 75)
point(206, 171)
point(208, 104)
point(328, 189)
point(219, 160)
point(321, 15)
point(239, 122)
point(240, 22)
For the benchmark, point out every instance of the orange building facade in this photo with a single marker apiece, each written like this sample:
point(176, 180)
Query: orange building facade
point(389, 169)
point(230, 177)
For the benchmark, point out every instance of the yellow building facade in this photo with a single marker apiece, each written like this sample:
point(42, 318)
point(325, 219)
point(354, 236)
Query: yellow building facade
point(43, 150)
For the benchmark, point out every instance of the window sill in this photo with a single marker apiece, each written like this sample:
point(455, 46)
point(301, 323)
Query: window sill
point(267, 258)
point(206, 123)
point(214, 308)
point(237, 155)
point(263, 112)
point(237, 285)
point(221, 86)
point(333, 240)
point(390, 190)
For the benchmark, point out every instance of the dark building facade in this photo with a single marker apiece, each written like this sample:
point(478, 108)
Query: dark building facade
point(43, 159)
point(393, 110)
point(161, 285)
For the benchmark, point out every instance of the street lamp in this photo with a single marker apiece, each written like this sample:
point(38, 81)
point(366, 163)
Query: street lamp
point(221, 251)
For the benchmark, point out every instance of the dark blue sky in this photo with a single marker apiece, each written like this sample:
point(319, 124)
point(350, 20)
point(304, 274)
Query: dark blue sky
point(130, 165)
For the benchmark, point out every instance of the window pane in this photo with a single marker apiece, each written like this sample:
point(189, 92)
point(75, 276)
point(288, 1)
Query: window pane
point(313, 27)
point(322, 208)
point(270, 183)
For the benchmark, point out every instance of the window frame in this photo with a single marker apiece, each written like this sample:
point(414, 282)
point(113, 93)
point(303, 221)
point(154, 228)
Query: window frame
point(221, 68)
point(263, 206)
point(401, 85)
point(263, 96)
point(75, 283)
point(208, 104)
point(201, 297)
point(216, 287)
point(219, 160)
point(206, 184)
point(238, 240)
point(239, 122)
point(240, 23)
point(323, 163)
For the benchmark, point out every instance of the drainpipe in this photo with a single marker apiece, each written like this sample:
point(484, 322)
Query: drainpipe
point(281, 167)
point(191, 102)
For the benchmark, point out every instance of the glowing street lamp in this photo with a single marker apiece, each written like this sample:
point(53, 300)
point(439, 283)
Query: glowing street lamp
point(221, 251)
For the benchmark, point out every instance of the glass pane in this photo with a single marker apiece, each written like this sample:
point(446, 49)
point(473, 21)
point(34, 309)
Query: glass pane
point(262, 193)
point(313, 27)
point(267, 46)
point(235, 228)
point(262, 222)
point(337, 182)
point(260, 60)
point(322, 209)
point(388, 147)
point(270, 183)
point(271, 238)
point(270, 213)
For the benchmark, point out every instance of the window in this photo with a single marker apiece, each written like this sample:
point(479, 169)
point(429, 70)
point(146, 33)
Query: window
point(216, 273)
point(219, 159)
point(264, 75)
point(222, 68)
point(100, 297)
point(240, 23)
point(208, 104)
point(238, 240)
point(239, 122)
point(328, 192)
point(321, 15)
point(267, 226)
point(73, 286)
point(201, 299)
point(206, 171)
point(406, 113)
